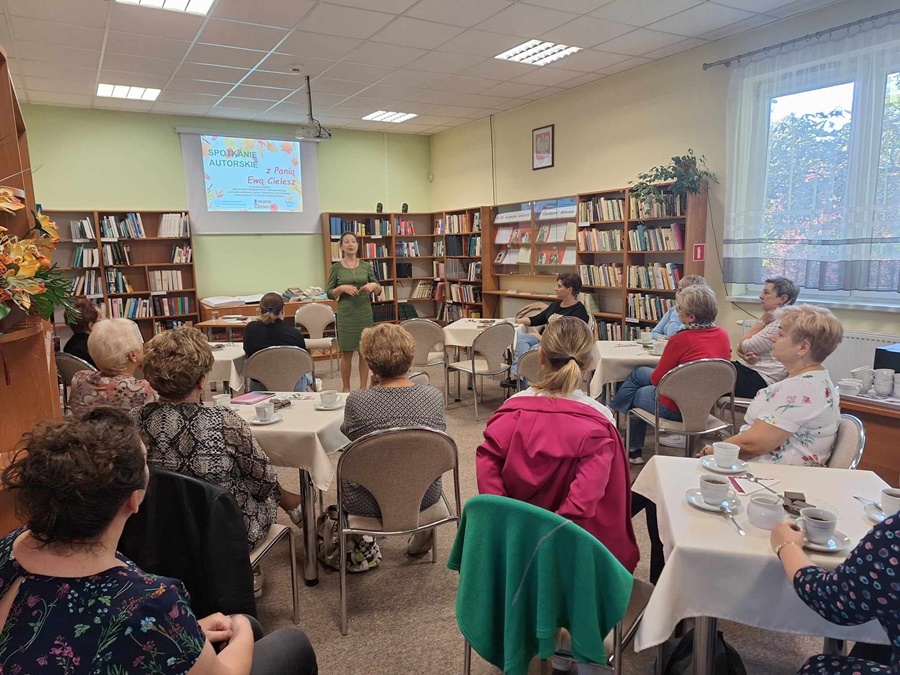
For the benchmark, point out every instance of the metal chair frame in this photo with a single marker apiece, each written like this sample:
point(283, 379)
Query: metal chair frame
point(860, 445)
point(298, 322)
point(66, 367)
point(474, 350)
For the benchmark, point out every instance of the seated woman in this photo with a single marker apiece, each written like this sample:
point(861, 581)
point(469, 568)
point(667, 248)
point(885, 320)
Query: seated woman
point(699, 338)
point(212, 443)
point(392, 401)
point(558, 449)
point(271, 331)
point(118, 349)
point(568, 286)
point(860, 589)
point(795, 421)
point(70, 603)
point(758, 367)
point(670, 323)
point(89, 313)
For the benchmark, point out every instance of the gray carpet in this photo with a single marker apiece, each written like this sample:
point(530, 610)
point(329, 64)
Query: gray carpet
point(402, 614)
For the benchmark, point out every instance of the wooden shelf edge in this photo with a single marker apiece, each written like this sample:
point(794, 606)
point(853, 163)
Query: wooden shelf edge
point(23, 333)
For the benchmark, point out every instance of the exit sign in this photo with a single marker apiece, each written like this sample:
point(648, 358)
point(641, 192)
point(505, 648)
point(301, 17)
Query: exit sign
point(699, 252)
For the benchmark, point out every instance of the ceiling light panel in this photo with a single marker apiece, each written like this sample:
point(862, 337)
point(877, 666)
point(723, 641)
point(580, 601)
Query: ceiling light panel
point(189, 6)
point(125, 91)
point(537, 53)
point(389, 116)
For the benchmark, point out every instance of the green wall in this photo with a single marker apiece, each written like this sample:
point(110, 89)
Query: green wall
point(106, 160)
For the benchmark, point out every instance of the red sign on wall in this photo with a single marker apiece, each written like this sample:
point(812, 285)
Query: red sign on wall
point(699, 252)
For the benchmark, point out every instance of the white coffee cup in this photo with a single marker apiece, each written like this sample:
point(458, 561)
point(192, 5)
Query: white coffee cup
point(890, 501)
point(818, 524)
point(223, 400)
point(884, 374)
point(848, 389)
point(658, 347)
point(725, 454)
point(765, 511)
point(646, 337)
point(714, 489)
point(265, 411)
point(884, 388)
point(328, 398)
point(862, 372)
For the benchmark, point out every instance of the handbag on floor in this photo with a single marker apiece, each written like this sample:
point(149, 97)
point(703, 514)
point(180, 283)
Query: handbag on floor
point(363, 553)
point(678, 656)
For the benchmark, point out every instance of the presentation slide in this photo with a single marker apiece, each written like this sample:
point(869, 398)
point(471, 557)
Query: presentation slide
point(252, 175)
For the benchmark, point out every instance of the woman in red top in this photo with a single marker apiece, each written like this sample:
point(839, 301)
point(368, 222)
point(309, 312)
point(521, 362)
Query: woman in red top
point(699, 339)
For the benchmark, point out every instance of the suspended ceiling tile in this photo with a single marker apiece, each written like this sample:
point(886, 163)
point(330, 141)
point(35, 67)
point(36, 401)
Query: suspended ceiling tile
point(586, 31)
point(466, 85)
point(642, 12)
point(159, 22)
point(279, 13)
point(91, 13)
point(496, 69)
point(133, 79)
point(676, 48)
point(282, 80)
point(380, 54)
point(53, 32)
point(633, 62)
point(197, 71)
point(58, 98)
point(139, 64)
point(514, 89)
point(547, 76)
point(40, 51)
point(46, 84)
point(57, 70)
point(480, 43)
point(390, 92)
point(344, 21)
point(701, 19)
point(640, 41)
point(236, 103)
point(151, 46)
point(244, 35)
point(574, 6)
point(459, 12)
point(180, 109)
point(327, 85)
point(739, 27)
point(544, 92)
point(357, 72)
point(262, 93)
point(389, 6)
point(282, 63)
point(526, 20)
point(188, 97)
point(416, 33)
point(217, 89)
point(445, 62)
point(224, 56)
point(413, 78)
point(302, 43)
point(589, 61)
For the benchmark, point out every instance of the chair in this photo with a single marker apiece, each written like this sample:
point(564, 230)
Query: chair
point(315, 318)
point(492, 344)
point(740, 405)
point(193, 530)
point(695, 387)
point(530, 366)
point(428, 335)
point(279, 368)
point(848, 444)
point(515, 575)
point(397, 466)
point(419, 378)
point(66, 367)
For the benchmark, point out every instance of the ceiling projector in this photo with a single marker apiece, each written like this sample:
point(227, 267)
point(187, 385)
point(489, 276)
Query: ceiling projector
point(312, 131)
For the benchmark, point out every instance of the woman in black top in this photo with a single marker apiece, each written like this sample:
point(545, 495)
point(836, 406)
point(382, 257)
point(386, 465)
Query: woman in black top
point(271, 331)
point(89, 313)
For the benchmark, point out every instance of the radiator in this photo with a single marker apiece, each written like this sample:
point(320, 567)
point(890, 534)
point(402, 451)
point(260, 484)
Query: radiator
point(856, 349)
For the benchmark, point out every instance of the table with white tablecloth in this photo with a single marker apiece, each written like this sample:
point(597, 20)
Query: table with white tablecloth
point(614, 360)
point(228, 366)
point(304, 439)
point(462, 333)
point(714, 573)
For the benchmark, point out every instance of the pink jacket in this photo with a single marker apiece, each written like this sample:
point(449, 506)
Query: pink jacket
point(565, 457)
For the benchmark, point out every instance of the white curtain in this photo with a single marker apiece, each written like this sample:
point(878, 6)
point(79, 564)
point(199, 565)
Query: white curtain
point(814, 164)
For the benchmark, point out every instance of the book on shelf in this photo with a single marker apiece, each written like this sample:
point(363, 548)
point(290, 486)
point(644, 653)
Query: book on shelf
point(454, 246)
point(87, 284)
point(469, 293)
point(371, 250)
point(598, 209)
point(660, 276)
point(129, 308)
point(610, 330)
point(438, 226)
point(82, 229)
point(117, 253)
point(165, 280)
point(450, 312)
point(378, 227)
point(130, 226)
point(117, 282)
point(85, 256)
point(169, 324)
point(476, 222)
point(590, 240)
point(663, 238)
point(407, 249)
point(456, 223)
point(383, 312)
point(182, 254)
point(556, 233)
point(381, 269)
point(440, 248)
point(174, 225)
point(601, 275)
point(474, 273)
point(387, 293)
point(590, 302)
point(404, 270)
point(437, 269)
point(456, 269)
point(475, 246)
point(423, 290)
point(646, 307)
point(668, 207)
point(172, 306)
point(405, 227)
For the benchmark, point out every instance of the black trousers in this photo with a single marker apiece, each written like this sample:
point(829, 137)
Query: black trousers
point(657, 559)
point(749, 382)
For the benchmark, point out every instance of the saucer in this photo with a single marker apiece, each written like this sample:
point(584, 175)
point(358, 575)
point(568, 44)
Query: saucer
point(322, 406)
point(261, 423)
point(694, 499)
point(709, 462)
point(838, 542)
point(874, 512)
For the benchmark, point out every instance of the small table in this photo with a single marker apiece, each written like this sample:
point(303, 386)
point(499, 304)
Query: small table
point(713, 573)
point(614, 360)
point(303, 440)
point(462, 333)
point(228, 325)
point(228, 366)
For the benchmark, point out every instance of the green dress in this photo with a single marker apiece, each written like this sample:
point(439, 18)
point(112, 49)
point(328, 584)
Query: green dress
point(354, 312)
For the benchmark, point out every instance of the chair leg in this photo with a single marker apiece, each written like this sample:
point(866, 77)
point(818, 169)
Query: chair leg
point(343, 574)
point(434, 545)
point(617, 649)
point(467, 659)
point(627, 433)
point(475, 396)
point(446, 386)
point(294, 590)
point(658, 666)
point(321, 502)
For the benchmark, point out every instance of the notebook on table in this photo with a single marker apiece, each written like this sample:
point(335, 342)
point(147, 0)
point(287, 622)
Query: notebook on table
point(253, 397)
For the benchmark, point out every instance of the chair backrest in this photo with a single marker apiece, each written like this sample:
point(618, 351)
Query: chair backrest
point(279, 368)
point(530, 366)
point(696, 386)
point(427, 335)
point(67, 365)
point(315, 318)
point(420, 378)
point(194, 531)
point(492, 343)
point(397, 466)
point(848, 444)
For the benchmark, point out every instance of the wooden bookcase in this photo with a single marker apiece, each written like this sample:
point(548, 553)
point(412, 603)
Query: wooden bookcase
point(148, 255)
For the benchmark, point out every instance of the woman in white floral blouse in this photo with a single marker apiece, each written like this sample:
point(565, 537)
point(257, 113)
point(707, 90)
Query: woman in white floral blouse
point(795, 421)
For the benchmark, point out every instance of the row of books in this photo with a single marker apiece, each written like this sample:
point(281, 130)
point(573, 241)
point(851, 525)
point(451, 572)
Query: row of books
point(117, 282)
point(600, 240)
point(556, 256)
point(470, 293)
point(382, 270)
point(165, 280)
point(129, 308)
point(368, 227)
point(657, 275)
point(169, 324)
point(458, 223)
point(556, 233)
point(173, 306)
point(405, 227)
point(461, 269)
point(449, 312)
point(668, 207)
point(647, 307)
point(610, 330)
point(407, 249)
point(601, 275)
point(375, 250)
point(82, 229)
point(601, 208)
point(387, 293)
point(383, 312)
point(129, 226)
point(117, 253)
point(667, 238)
point(85, 256)
point(440, 248)
point(182, 254)
point(512, 235)
point(87, 284)
point(174, 225)
point(437, 269)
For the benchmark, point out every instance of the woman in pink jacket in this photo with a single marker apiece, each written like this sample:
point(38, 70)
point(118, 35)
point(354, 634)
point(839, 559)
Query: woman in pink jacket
point(554, 447)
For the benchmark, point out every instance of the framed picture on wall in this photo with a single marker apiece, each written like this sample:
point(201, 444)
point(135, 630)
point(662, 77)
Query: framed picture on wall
point(542, 147)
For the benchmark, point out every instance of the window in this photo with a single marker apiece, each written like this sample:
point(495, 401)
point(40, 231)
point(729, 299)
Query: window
point(814, 170)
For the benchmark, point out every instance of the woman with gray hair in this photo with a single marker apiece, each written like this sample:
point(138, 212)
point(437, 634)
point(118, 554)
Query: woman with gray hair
point(116, 346)
point(670, 323)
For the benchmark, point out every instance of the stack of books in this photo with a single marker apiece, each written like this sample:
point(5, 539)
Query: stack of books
point(129, 226)
point(174, 225)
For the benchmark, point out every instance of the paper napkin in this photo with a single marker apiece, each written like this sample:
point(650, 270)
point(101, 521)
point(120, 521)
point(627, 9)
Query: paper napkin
point(746, 487)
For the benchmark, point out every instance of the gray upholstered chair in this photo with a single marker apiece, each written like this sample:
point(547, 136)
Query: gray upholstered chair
point(487, 353)
point(279, 368)
point(848, 444)
point(66, 367)
point(695, 387)
point(315, 317)
point(429, 337)
point(397, 466)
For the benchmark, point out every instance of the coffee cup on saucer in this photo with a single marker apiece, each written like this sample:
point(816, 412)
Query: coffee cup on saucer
point(646, 337)
point(329, 398)
point(725, 454)
point(223, 400)
point(265, 411)
point(714, 489)
point(658, 347)
point(818, 525)
point(890, 501)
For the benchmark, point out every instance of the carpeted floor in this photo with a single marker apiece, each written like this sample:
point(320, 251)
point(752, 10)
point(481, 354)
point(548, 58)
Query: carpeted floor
point(402, 614)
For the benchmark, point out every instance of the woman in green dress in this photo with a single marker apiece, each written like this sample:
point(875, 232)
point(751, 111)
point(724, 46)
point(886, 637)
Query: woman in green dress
point(350, 282)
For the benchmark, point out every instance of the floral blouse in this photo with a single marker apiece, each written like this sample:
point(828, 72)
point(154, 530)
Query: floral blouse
point(90, 390)
point(116, 622)
point(806, 406)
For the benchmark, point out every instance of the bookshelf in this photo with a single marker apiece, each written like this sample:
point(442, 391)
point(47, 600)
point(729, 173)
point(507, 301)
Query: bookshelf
point(137, 265)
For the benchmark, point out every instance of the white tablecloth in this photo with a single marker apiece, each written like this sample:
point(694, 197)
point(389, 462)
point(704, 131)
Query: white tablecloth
point(712, 571)
point(462, 333)
point(229, 366)
point(614, 360)
point(303, 439)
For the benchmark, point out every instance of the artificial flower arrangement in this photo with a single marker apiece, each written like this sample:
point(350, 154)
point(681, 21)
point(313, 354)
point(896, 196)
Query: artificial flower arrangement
point(28, 279)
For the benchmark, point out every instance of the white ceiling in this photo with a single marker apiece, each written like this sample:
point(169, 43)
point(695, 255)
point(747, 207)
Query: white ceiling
point(429, 57)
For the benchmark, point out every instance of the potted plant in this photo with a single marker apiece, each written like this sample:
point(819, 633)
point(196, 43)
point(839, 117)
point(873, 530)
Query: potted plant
point(685, 174)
